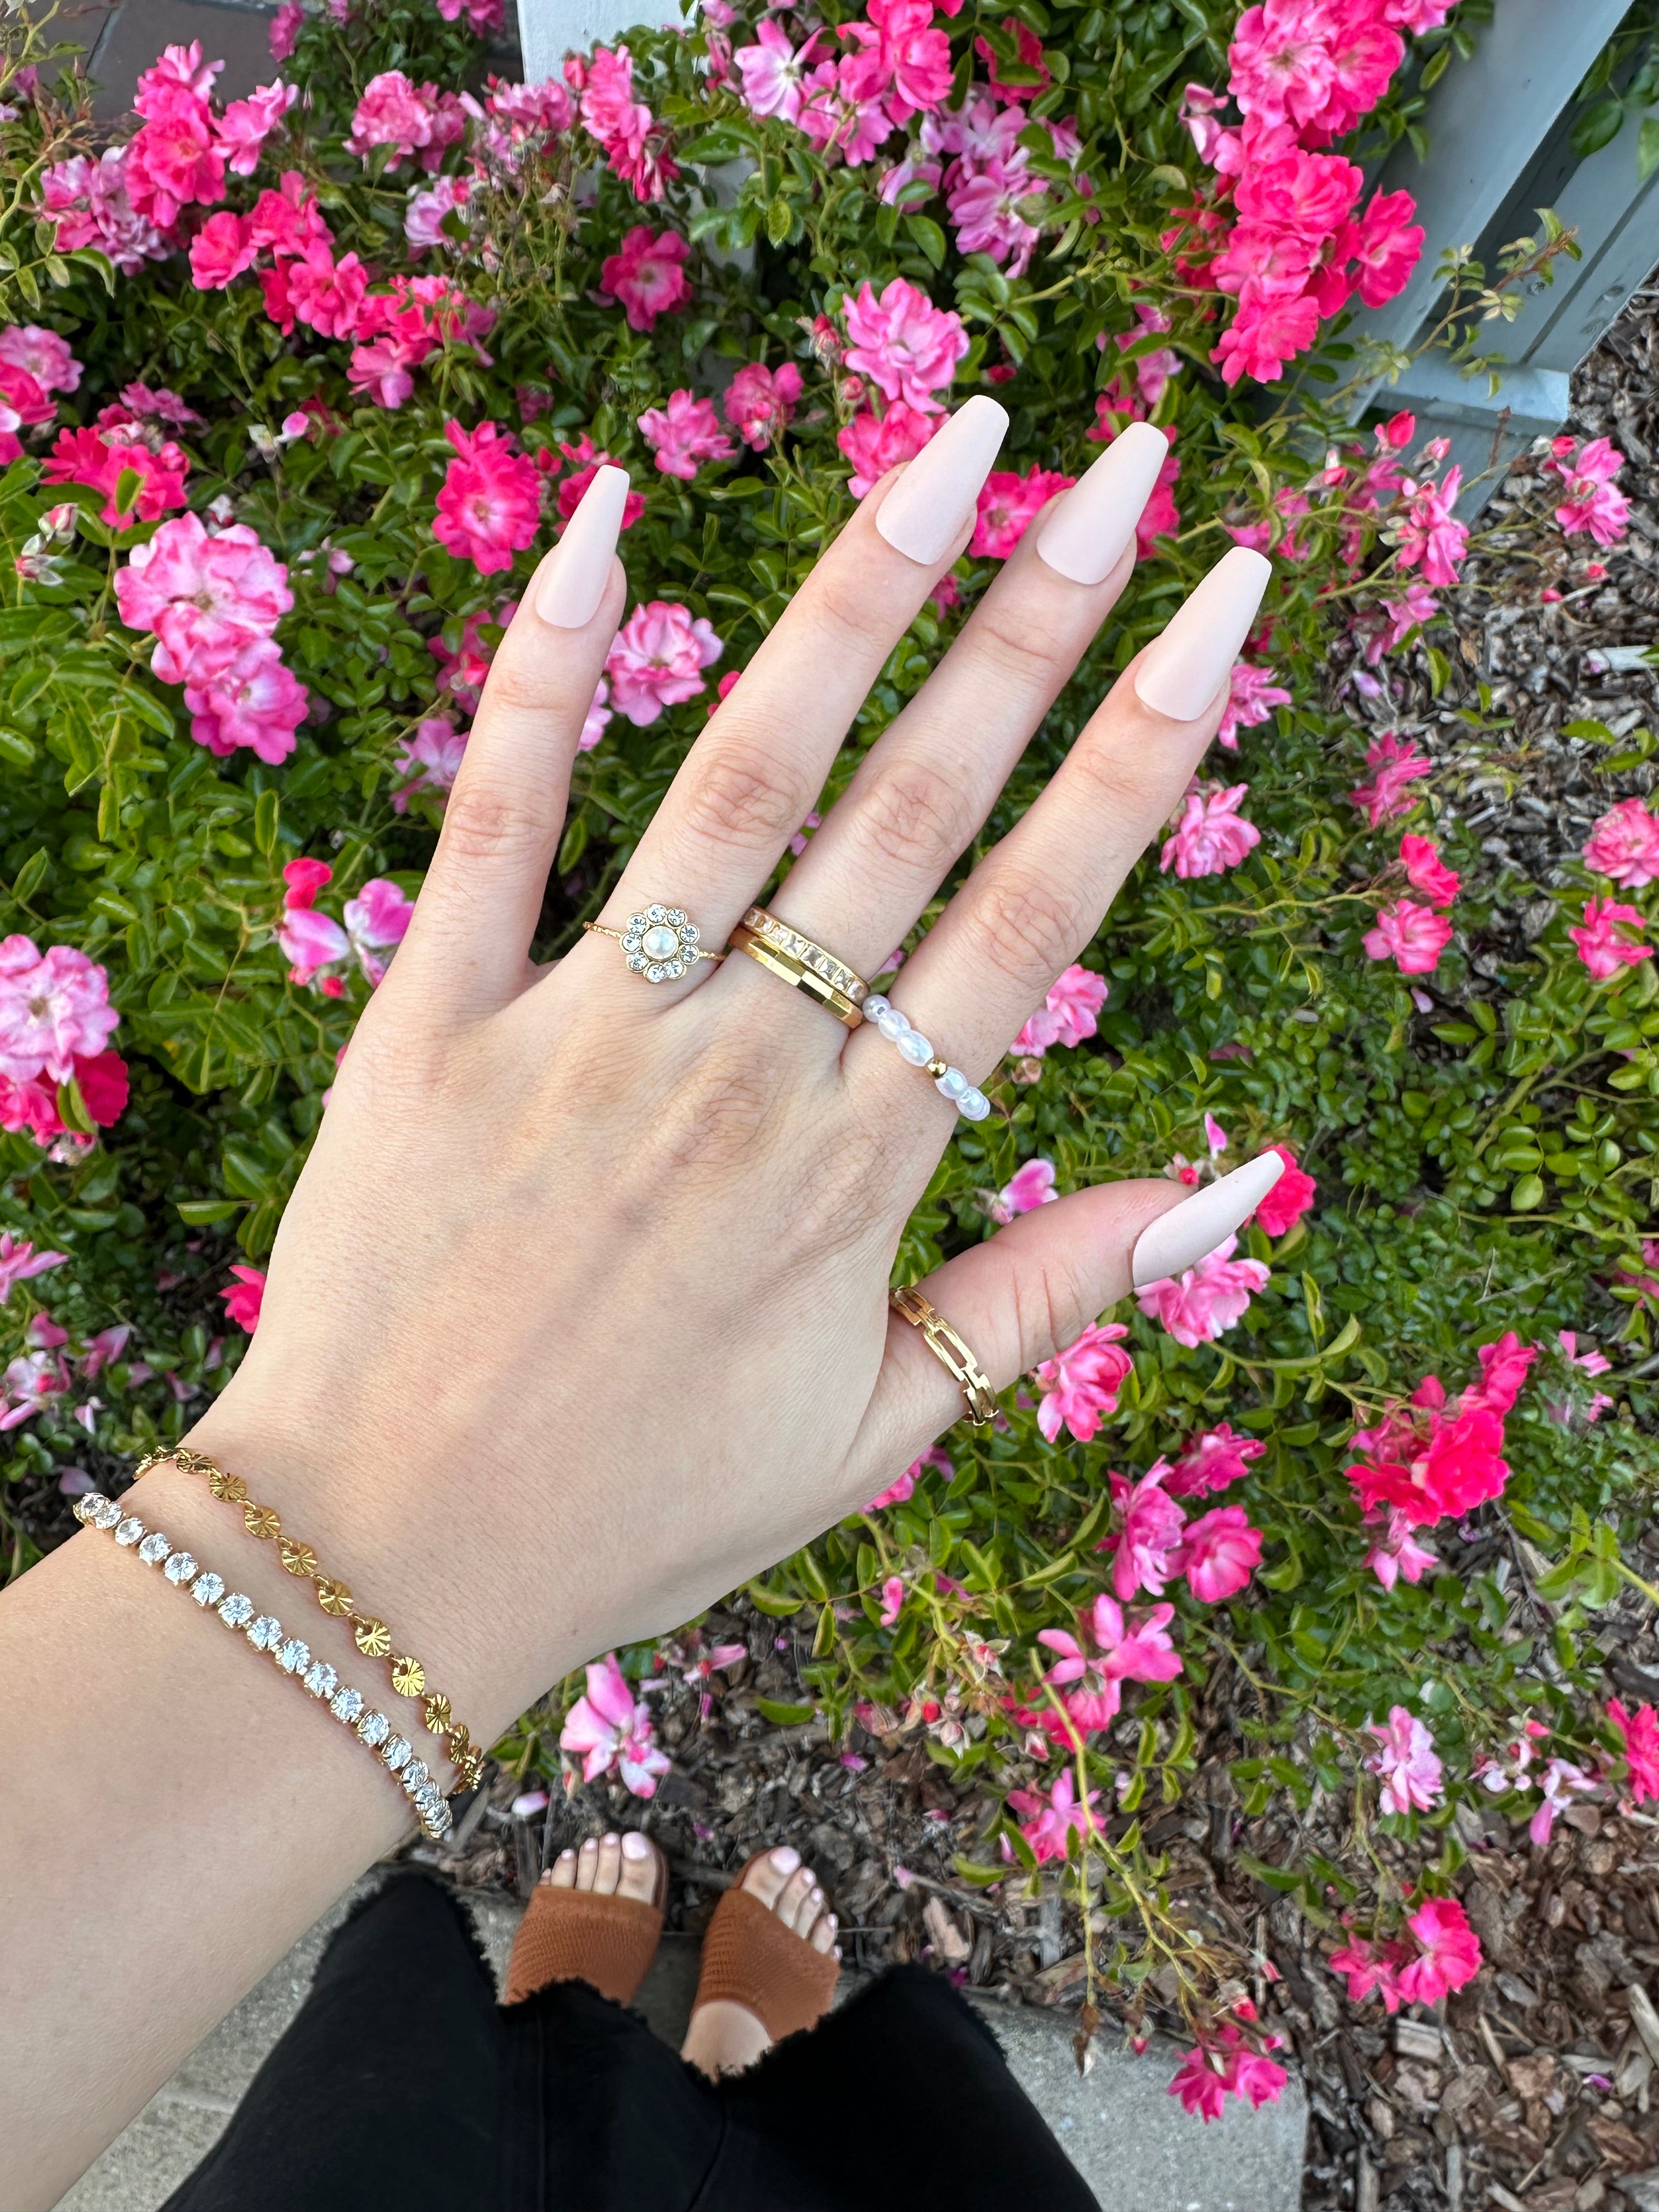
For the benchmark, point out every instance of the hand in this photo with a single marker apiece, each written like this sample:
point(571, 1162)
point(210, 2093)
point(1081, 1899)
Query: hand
point(578, 1317)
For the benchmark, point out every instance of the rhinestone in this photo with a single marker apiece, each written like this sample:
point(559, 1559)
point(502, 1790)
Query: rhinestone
point(690, 932)
point(346, 1704)
point(427, 1800)
point(636, 962)
point(631, 941)
point(265, 1633)
point(676, 915)
point(656, 973)
point(128, 1532)
point(374, 1728)
point(439, 1825)
point(656, 913)
point(320, 1679)
point(414, 1774)
point(179, 1568)
point(237, 1610)
point(85, 1509)
point(673, 968)
point(635, 924)
point(155, 1548)
point(107, 1514)
point(293, 1657)
point(208, 1589)
point(396, 1751)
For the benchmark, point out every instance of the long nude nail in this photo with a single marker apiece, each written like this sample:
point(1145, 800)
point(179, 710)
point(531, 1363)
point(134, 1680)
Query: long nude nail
point(1185, 668)
point(579, 568)
point(1179, 1239)
point(929, 507)
point(1086, 536)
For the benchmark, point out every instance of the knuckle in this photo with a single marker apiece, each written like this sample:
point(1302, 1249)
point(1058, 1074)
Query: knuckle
point(1030, 928)
point(737, 796)
point(488, 819)
point(1117, 789)
point(1028, 651)
point(719, 1119)
point(837, 1189)
point(917, 817)
point(1049, 1312)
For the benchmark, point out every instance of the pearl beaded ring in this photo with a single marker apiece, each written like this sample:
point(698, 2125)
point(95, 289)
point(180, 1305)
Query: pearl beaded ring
point(973, 1105)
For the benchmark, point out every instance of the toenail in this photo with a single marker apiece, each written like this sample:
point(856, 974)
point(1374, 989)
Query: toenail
point(785, 1858)
point(831, 1922)
point(635, 1845)
point(611, 1838)
point(590, 1845)
point(566, 1854)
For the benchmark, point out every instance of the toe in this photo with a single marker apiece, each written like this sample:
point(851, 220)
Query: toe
point(639, 1863)
point(811, 1909)
point(562, 1872)
point(610, 1869)
point(769, 1877)
point(587, 1863)
point(797, 1893)
point(823, 1937)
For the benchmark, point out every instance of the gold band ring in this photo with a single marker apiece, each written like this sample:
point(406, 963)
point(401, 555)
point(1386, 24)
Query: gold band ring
point(952, 1354)
point(661, 943)
point(794, 959)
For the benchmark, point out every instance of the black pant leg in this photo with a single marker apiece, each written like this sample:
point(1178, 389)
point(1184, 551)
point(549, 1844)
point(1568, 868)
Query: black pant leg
point(386, 2087)
point(902, 2102)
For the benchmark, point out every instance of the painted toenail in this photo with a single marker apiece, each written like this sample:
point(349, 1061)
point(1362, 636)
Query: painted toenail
point(785, 1858)
point(635, 1845)
point(611, 1838)
point(590, 1845)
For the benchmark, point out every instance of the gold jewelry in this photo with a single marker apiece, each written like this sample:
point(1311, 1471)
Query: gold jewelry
point(372, 1637)
point(661, 943)
point(952, 1354)
point(794, 959)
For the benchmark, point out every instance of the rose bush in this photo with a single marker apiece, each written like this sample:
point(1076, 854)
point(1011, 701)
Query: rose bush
point(292, 388)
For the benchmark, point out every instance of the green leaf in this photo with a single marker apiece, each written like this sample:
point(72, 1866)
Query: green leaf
point(780, 1604)
point(928, 236)
point(1647, 147)
point(1598, 127)
point(784, 1716)
point(204, 1212)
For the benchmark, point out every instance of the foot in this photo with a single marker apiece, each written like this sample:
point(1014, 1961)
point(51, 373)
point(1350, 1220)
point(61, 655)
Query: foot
point(612, 1866)
point(724, 2038)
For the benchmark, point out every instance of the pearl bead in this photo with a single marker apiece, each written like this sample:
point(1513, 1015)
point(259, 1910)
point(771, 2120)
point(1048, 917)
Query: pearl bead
point(974, 1106)
point(893, 1025)
point(875, 1006)
point(953, 1083)
point(915, 1047)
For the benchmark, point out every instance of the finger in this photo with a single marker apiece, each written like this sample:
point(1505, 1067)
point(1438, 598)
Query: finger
point(927, 784)
point(473, 921)
point(1038, 897)
point(750, 781)
point(1030, 1291)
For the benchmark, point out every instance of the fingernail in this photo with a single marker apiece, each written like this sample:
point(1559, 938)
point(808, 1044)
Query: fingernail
point(927, 510)
point(577, 570)
point(1179, 1239)
point(1086, 536)
point(635, 1845)
point(1185, 668)
point(785, 1858)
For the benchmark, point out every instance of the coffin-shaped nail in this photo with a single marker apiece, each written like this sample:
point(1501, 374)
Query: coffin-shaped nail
point(1179, 1239)
point(1085, 535)
point(579, 568)
point(929, 509)
point(1184, 669)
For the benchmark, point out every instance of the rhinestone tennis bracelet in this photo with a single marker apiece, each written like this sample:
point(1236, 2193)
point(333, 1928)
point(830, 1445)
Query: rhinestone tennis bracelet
point(372, 1637)
point(292, 1654)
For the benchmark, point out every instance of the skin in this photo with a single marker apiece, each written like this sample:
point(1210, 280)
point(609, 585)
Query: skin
point(722, 2038)
point(577, 1318)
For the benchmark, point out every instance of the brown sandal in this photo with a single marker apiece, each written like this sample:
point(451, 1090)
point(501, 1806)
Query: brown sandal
point(572, 1935)
point(750, 1957)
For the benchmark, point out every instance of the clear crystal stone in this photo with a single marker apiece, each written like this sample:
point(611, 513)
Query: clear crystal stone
point(414, 1774)
point(635, 924)
point(320, 1679)
point(374, 1728)
point(107, 1514)
point(676, 915)
point(155, 1548)
point(427, 1800)
point(636, 962)
point(346, 1704)
point(86, 1506)
point(631, 943)
point(293, 1655)
point(129, 1532)
point(672, 969)
point(265, 1633)
point(179, 1568)
point(656, 973)
point(656, 913)
point(690, 934)
point(237, 1610)
point(396, 1751)
point(208, 1589)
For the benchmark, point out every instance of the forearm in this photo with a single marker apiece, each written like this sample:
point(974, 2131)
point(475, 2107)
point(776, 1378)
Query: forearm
point(228, 1808)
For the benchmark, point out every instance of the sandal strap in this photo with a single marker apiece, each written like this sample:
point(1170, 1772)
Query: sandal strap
point(571, 1935)
point(750, 1957)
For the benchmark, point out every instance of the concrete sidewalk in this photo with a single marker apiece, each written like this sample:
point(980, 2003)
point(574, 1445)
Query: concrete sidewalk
point(1128, 2138)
